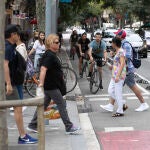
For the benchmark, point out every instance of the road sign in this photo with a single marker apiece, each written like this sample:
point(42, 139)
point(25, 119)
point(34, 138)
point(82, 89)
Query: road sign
point(65, 1)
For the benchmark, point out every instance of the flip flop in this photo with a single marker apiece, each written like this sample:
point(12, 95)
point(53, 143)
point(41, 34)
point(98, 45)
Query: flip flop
point(117, 115)
point(125, 107)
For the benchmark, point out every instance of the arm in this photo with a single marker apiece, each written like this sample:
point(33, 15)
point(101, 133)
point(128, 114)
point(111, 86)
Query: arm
point(32, 51)
point(122, 63)
point(42, 75)
point(7, 78)
point(90, 54)
point(105, 55)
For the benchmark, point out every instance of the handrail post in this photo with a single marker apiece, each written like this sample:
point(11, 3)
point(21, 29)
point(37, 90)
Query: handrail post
point(41, 129)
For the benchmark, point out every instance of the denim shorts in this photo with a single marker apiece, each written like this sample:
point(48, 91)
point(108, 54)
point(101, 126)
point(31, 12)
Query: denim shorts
point(129, 80)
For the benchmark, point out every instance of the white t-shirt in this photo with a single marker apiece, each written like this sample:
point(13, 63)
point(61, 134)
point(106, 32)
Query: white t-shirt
point(38, 47)
point(22, 50)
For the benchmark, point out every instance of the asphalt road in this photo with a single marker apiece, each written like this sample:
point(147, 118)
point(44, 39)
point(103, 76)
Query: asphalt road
point(133, 126)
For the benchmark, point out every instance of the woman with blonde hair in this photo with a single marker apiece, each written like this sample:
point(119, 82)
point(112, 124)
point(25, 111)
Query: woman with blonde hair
point(51, 79)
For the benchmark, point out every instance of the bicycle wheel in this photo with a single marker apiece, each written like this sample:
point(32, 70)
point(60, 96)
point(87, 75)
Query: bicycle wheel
point(30, 84)
point(94, 82)
point(85, 69)
point(70, 78)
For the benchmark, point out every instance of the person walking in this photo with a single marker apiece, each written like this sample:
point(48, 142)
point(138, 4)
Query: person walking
point(51, 78)
point(97, 51)
point(118, 76)
point(129, 81)
point(38, 48)
point(11, 36)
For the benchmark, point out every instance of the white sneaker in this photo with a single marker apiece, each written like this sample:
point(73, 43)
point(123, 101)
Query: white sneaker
point(142, 107)
point(109, 107)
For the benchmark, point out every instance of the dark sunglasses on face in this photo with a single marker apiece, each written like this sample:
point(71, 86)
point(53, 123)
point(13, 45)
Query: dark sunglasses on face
point(56, 42)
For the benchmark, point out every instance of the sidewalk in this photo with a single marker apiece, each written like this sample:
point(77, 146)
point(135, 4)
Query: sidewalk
point(55, 137)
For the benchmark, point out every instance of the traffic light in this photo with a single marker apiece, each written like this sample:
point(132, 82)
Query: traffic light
point(65, 1)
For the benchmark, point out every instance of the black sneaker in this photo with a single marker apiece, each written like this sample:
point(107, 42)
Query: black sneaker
point(80, 74)
point(73, 130)
point(101, 86)
point(32, 129)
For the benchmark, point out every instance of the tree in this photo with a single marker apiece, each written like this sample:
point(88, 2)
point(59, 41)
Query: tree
point(3, 125)
point(40, 14)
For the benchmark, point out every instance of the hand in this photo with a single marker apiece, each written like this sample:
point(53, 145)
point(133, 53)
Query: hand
point(117, 79)
point(91, 59)
point(9, 89)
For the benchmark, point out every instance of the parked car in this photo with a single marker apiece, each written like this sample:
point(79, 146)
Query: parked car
point(138, 44)
point(107, 37)
point(93, 34)
point(147, 38)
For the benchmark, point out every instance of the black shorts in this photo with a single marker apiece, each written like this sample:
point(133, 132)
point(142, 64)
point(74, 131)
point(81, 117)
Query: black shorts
point(98, 60)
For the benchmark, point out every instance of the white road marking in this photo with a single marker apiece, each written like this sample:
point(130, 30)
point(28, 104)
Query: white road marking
point(112, 129)
point(99, 99)
point(89, 134)
point(106, 95)
point(133, 98)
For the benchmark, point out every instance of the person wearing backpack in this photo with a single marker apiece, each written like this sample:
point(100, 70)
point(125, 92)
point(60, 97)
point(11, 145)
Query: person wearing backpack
point(129, 81)
point(21, 48)
point(11, 36)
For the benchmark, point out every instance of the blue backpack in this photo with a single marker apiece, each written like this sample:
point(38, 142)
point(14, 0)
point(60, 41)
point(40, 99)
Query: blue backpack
point(136, 59)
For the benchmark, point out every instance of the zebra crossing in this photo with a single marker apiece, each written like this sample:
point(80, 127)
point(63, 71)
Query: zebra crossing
point(105, 97)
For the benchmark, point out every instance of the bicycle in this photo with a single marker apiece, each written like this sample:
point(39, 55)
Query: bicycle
point(85, 67)
point(95, 78)
point(70, 77)
point(73, 50)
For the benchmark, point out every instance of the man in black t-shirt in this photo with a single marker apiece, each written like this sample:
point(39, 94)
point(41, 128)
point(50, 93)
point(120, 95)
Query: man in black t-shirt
point(11, 36)
point(83, 44)
point(51, 78)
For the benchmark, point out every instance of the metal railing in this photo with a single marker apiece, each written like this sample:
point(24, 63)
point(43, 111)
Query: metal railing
point(37, 101)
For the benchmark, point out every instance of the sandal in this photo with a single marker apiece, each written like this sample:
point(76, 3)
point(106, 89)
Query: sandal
point(125, 107)
point(117, 115)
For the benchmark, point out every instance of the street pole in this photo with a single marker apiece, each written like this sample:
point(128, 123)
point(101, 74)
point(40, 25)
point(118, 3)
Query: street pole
point(51, 16)
point(3, 123)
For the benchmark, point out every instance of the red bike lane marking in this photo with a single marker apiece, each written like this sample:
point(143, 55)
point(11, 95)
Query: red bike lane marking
point(124, 140)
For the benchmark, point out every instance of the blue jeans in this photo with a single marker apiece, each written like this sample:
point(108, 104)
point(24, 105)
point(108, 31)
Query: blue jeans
point(20, 91)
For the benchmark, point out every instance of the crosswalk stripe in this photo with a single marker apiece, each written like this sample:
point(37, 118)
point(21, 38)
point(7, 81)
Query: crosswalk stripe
point(99, 99)
point(131, 98)
point(112, 129)
point(106, 95)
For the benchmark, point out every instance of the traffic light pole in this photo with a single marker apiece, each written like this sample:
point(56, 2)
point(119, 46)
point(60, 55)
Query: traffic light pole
point(51, 17)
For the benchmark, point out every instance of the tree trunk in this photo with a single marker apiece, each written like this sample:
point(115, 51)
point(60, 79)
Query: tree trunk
point(3, 124)
point(40, 14)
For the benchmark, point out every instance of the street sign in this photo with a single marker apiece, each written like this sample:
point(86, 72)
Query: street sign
point(65, 1)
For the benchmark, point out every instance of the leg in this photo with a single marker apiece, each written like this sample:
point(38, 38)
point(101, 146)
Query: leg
point(19, 120)
point(118, 96)
point(36, 58)
point(58, 99)
point(111, 91)
point(33, 123)
point(131, 83)
point(80, 65)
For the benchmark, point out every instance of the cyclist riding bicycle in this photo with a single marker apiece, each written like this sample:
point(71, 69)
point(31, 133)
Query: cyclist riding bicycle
point(73, 41)
point(97, 51)
point(83, 44)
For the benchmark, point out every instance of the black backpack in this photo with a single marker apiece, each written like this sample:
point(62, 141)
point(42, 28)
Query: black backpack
point(136, 59)
point(18, 67)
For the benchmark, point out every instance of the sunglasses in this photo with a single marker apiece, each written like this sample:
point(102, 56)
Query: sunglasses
point(56, 42)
